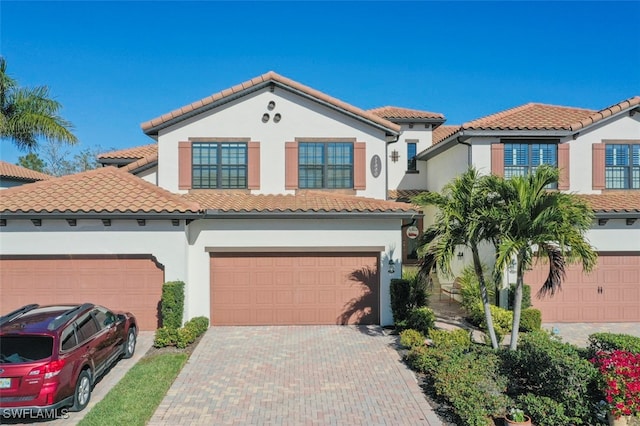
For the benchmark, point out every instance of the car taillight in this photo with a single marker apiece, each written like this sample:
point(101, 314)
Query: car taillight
point(49, 370)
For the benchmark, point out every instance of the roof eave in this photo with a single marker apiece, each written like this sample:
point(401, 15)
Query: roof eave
point(219, 214)
point(450, 141)
point(606, 214)
point(100, 215)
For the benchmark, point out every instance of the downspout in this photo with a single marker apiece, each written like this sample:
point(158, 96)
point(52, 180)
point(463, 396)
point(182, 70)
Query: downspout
point(460, 141)
point(386, 165)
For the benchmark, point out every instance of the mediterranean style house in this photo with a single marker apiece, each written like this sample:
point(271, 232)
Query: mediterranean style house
point(598, 155)
point(278, 204)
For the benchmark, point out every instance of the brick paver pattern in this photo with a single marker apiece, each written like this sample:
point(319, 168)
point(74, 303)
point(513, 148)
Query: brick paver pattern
point(315, 375)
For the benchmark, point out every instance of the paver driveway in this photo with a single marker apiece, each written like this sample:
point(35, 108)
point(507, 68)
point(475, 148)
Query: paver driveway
point(295, 375)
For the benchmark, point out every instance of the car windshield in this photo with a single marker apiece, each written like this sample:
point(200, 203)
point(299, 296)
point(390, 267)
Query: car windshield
point(20, 349)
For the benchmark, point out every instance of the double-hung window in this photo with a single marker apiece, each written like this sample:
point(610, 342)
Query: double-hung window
point(412, 151)
point(219, 165)
point(622, 166)
point(325, 165)
point(524, 157)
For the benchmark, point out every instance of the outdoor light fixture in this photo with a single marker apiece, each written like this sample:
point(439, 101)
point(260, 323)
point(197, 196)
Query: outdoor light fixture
point(460, 255)
point(392, 266)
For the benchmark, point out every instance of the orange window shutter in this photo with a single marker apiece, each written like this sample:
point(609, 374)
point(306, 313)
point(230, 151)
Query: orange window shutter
point(291, 165)
point(360, 165)
point(184, 165)
point(253, 165)
point(563, 166)
point(598, 165)
point(497, 159)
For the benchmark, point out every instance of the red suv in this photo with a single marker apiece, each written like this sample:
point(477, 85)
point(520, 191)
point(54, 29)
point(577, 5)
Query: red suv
point(50, 356)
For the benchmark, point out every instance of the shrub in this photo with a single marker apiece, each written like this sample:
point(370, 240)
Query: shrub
point(185, 336)
point(526, 296)
point(620, 380)
point(471, 383)
point(611, 342)
point(545, 366)
point(400, 294)
point(421, 319)
point(165, 337)
point(198, 324)
point(423, 359)
point(459, 338)
point(172, 304)
point(406, 294)
point(470, 290)
point(543, 410)
point(502, 319)
point(530, 319)
point(411, 338)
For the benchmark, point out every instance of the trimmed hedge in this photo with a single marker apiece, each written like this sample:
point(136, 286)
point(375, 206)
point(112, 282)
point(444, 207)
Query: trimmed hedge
point(458, 338)
point(181, 337)
point(407, 293)
point(172, 304)
point(612, 342)
point(502, 319)
point(530, 319)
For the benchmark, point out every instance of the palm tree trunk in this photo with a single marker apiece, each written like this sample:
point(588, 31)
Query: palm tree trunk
point(517, 305)
point(477, 266)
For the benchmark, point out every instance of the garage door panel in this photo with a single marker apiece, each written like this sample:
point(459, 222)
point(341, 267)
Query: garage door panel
point(129, 284)
point(295, 288)
point(610, 293)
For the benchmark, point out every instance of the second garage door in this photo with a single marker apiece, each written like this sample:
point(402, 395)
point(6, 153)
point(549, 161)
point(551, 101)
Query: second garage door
point(124, 283)
point(294, 289)
point(610, 293)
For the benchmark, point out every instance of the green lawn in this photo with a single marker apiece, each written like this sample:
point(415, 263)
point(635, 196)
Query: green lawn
point(135, 398)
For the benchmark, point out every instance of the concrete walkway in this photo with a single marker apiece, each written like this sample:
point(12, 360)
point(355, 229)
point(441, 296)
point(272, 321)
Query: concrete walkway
point(309, 375)
point(578, 333)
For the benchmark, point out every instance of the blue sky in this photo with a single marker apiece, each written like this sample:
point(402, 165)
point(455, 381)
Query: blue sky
point(114, 65)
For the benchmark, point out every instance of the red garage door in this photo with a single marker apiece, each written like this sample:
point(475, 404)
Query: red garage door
point(120, 283)
point(610, 293)
point(288, 288)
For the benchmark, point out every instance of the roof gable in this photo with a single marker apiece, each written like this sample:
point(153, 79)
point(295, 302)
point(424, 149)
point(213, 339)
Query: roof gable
point(104, 190)
point(152, 127)
point(12, 171)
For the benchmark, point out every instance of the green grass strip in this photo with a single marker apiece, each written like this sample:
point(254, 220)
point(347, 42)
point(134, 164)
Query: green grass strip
point(136, 397)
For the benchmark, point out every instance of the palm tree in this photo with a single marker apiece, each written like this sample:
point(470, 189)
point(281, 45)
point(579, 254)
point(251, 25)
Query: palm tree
point(29, 113)
point(538, 223)
point(458, 223)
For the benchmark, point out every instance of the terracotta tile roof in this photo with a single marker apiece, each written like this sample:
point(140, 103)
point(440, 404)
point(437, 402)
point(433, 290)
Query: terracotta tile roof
point(531, 116)
point(614, 202)
point(149, 126)
point(536, 116)
point(146, 161)
point(404, 194)
point(134, 153)
point(392, 112)
point(104, 190)
point(606, 112)
point(308, 201)
point(443, 132)
point(12, 171)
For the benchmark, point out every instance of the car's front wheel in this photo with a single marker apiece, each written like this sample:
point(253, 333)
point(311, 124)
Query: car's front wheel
point(130, 344)
point(82, 394)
